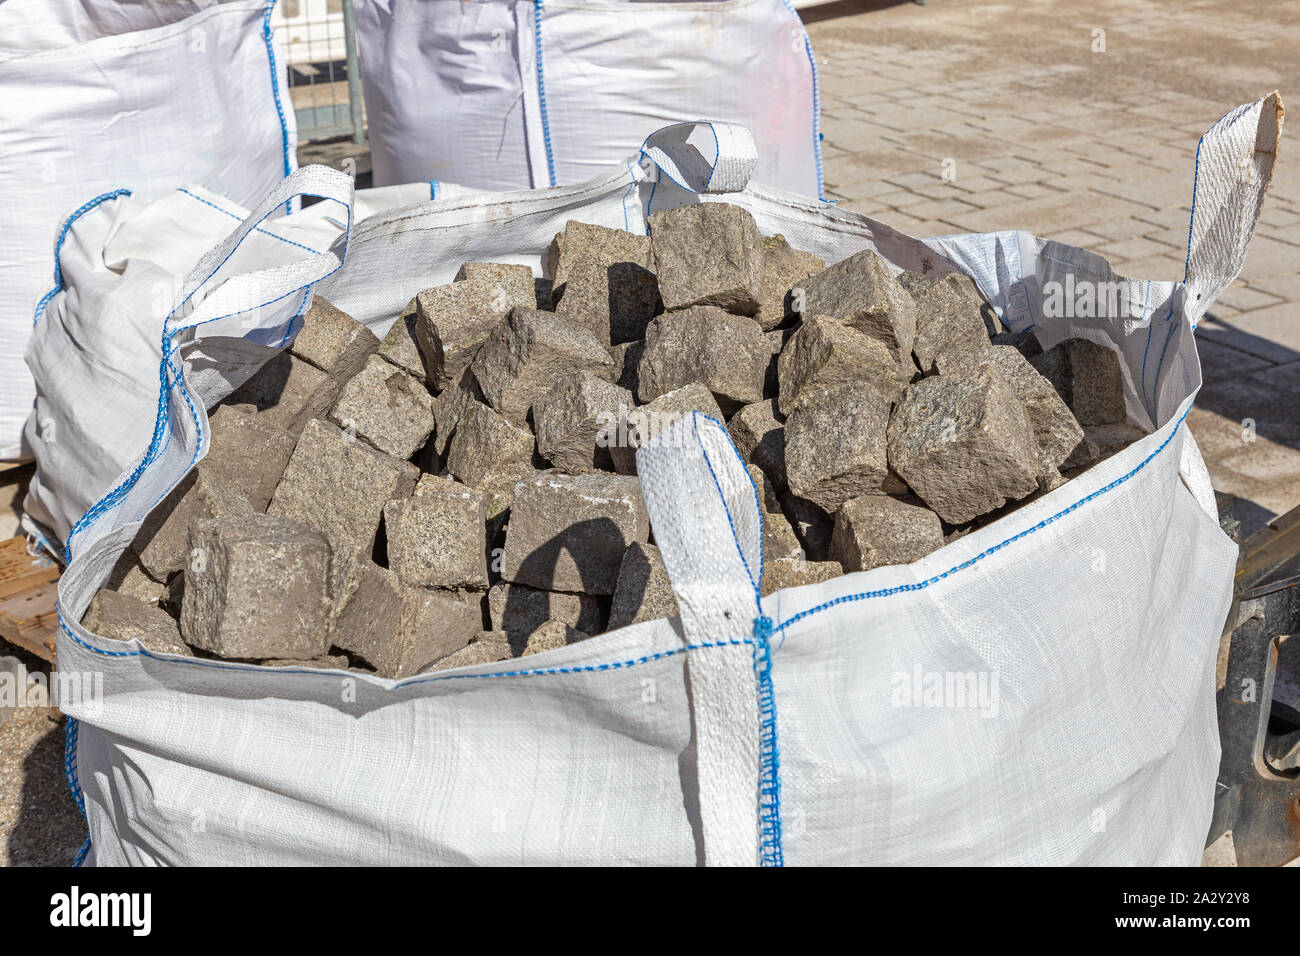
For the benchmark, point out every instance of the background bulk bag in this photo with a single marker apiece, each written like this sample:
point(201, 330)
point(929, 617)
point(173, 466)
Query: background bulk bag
point(104, 97)
point(508, 94)
point(749, 730)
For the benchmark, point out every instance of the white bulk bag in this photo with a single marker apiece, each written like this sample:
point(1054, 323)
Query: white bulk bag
point(793, 728)
point(510, 94)
point(103, 97)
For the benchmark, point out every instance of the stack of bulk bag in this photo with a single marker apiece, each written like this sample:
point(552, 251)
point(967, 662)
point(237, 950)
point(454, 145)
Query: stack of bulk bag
point(749, 730)
point(510, 94)
point(106, 97)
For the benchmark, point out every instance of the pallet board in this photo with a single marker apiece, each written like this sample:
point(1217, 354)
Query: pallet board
point(28, 590)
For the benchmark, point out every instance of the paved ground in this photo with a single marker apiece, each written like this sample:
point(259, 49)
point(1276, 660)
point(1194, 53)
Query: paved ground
point(1092, 147)
point(1079, 121)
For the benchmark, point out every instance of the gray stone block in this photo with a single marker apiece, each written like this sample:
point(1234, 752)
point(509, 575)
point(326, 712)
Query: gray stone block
point(400, 346)
point(646, 422)
point(488, 648)
point(604, 281)
point(453, 321)
point(643, 591)
point(486, 447)
point(248, 452)
point(550, 636)
point(436, 537)
point(728, 353)
point(964, 444)
point(877, 530)
point(627, 359)
point(1100, 442)
point(779, 538)
point(514, 280)
point(577, 422)
point(949, 320)
point(162, 540)
point(825, 354)
point(569, 532)
point(529, 353)
point(1089, 377)
point(387, 407)
point(331, 339)
point(517, 610)
point(287, 391)
point(339, 487)
point(124, 618)
point(784, 268)
point(759, 434)
point(861, 293)
point(708, 254)
point(1026, 343)
point(448, 407)
point(812, 525)
point(257, 587)
point(796, 572)
point(835, 445)
point(130, 578)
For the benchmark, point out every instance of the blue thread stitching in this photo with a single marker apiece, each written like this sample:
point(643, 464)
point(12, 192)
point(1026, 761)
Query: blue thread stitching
point(1191, 220)
point(275, 93)
point(541, 88)
point(72, 730)
point(264, 232)
point(433, 189)
point(717, 157)
point(922, 585)
point(735, 538)
point(817, 101)
point(58, 246)
point(769, 777)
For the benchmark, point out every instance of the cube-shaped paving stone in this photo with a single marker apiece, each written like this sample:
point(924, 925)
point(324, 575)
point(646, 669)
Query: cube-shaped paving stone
point(257, 587)
point(949, 320)
point(648, 421)
point(824, 354)
point(779, 539)
point(964, 444)
point(517, 610)
point(569, 532)
point(124, 618)
point(861, 292)
point(330, 338)
point(288, 391)
point(728, 353)
point(436, 537)
point(877, 530)
point(486, 444)
point(604, 281)
point(514, 280)
point(550, 636)
point(708, 254)
point(759, 434)
point(487, 648)
point(835, 445)
point(1089, 377)
point(162, 541)
point(577, 422)
point(784, 269)
point(796, 572)
point(453, 321)
point(387, 407)
point(643, 591)
point(400, 346)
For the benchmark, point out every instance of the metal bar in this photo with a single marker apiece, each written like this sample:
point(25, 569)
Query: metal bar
point(354, 72)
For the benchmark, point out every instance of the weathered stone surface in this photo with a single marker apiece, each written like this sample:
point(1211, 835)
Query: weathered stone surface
point(708, 254)
point(515, 281)
point(130, 578)
point(725, 352)
point(487, 648)
point(486, 446)
point(784, 268)
point(399, 631)
point(387, 407)
point(517, 610)
point(949, 320)
point(1102, 441)
point(861, 293)
point(287, 391)
point(758, 431)
point(812, 524)
point(257, 587)
point(963, 443)
point(876, 530)
point(328, 662)
point(646, 422)
point(779, 538)
point(796, 572)
point(1088, 377)
point(436, 537)
point(627, 359)
point(915, 283)
point(568, 533)
point(824, 354)
point(530, 352)
point(550, 636)
point(448, 407)
point(162, 541)
point(604, 281)
point(400, 346)
point(123, 618)
point(1026, 343)
point(643, 591)
point(330, 338)
point(577, 422)
point(248, 452)
point(835, 445)
point(453, 321)
point(339, 487)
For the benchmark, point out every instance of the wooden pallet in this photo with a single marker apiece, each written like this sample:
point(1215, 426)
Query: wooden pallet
point(27, 594)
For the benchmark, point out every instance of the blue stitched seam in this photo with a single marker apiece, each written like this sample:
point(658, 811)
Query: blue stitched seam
point(1191, 220)
point(769, 751)
point(58, 246)
point(735, 538)
point(433, 189)
point(541, 88)
point(72, 729)
point(922, 585)
point(717, 157)
point(817, 100)
point(275, 93)
point(264, 232)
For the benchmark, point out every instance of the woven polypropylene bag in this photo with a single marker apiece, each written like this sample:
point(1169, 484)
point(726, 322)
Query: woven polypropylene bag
point(795, 728)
